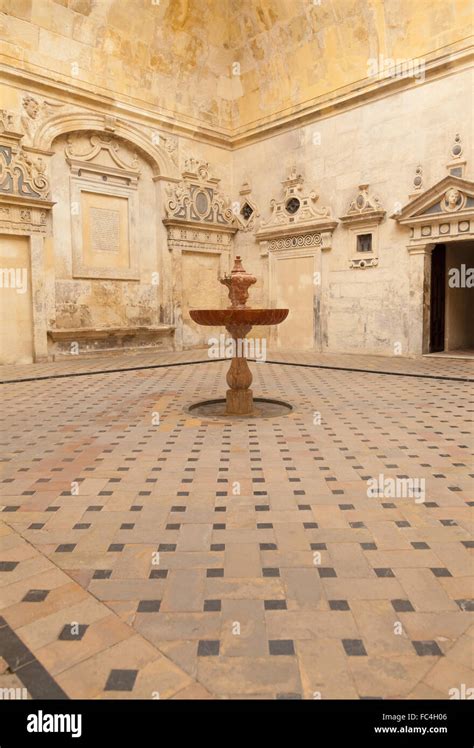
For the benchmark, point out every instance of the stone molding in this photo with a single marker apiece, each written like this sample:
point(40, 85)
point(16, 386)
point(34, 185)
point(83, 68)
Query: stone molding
point(457, 57)
point(81, 163)
point(160, 151)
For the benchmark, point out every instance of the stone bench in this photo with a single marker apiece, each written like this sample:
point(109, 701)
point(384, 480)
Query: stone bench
point(88, 341)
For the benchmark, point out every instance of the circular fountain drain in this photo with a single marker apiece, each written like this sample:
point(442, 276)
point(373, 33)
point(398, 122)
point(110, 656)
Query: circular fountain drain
point(264, 407)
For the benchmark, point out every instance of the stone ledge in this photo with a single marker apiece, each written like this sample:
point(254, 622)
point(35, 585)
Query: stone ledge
point(108, 340)
point(100, 333)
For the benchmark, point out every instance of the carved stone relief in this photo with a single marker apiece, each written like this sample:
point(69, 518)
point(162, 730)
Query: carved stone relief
point(200, 225)
point(296, 210)
point(442, 211)
point(296, 221)
point(22, 174)
point(197, 198)
point(103, 157)
point(34, 111)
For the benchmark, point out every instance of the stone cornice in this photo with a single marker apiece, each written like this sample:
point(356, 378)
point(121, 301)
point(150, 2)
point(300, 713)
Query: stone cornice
point(203, 227)
point(139, 113)
point(352, 96)
point(453, 59)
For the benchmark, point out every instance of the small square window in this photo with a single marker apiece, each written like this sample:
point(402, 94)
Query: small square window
point(364, 243)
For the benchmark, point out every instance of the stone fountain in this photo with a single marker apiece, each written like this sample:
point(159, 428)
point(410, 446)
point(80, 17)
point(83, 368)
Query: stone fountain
point(238, 319)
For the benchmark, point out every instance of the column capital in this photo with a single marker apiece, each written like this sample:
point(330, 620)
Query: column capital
point(420, 249)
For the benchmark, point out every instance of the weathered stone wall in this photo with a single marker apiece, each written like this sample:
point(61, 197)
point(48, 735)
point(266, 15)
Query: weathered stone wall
point(381, 144)
point(179, 57)
point(159, 80)
point(171, 56)
point(294, 51)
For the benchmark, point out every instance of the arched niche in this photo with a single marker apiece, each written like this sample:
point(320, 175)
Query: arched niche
point(158, 149)
point(105, 261)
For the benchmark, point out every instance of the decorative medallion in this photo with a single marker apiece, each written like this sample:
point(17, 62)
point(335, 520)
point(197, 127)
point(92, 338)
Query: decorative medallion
point(418, 178)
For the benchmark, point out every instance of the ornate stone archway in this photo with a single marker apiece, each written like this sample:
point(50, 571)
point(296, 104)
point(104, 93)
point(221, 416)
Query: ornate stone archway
point(159, 148)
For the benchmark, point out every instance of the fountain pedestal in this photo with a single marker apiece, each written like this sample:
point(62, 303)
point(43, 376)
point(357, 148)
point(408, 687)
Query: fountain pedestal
point(238, 320)
point(239, 398)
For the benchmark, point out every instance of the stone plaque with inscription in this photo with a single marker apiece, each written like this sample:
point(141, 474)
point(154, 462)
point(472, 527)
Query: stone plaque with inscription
point(104, 230)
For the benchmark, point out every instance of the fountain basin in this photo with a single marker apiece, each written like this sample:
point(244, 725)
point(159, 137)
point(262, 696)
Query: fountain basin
point(214, 317)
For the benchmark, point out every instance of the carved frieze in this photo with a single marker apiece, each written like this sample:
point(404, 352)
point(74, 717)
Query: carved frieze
point(198, 238)
point(303, 240)
point(24, 218)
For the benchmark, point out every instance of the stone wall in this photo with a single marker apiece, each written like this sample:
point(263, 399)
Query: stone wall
point(381, 144)
point(155, 55)
point(155, 91)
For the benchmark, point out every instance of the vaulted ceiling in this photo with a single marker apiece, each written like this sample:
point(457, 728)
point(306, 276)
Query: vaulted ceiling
point(224, 64)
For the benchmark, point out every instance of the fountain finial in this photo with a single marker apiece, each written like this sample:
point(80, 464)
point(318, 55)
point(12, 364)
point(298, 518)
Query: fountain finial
point(238, 282)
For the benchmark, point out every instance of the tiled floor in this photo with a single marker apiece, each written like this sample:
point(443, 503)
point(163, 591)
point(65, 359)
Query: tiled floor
point(148, 554)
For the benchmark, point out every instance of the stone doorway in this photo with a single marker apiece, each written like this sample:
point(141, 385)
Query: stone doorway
point(452, 299)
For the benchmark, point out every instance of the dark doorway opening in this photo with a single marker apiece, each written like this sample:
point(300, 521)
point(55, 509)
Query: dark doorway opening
point(438, 298)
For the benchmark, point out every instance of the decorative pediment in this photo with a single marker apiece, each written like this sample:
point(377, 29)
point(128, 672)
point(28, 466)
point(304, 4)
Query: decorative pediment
point(103, 157)
point(364, 208)
point(197, 201)
point(445, 210)
point(450, 195)
point(296, 213)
